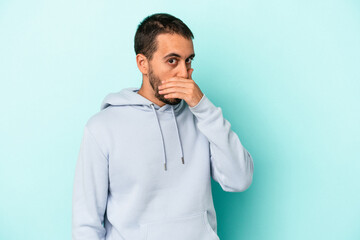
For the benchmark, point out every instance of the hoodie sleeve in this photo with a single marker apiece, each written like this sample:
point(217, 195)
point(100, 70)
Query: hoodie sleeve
point(231, 164)
point(89, 191)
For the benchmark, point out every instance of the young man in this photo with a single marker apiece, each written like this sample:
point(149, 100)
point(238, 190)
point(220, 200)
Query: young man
point(146, 159)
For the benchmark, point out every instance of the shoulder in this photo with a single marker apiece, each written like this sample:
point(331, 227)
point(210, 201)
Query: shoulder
point(98, 122)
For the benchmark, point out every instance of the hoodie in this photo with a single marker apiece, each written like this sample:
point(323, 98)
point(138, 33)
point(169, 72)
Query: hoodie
point(144, 172)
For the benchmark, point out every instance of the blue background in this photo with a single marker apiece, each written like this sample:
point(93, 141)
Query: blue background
point(285, 73)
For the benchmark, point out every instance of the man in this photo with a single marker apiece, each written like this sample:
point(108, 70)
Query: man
point(146, 159)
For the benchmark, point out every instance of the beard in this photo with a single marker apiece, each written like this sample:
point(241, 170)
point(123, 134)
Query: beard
point(155, 82)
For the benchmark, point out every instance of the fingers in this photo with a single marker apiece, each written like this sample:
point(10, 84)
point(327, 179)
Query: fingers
point(175, 84)
point(174, 90)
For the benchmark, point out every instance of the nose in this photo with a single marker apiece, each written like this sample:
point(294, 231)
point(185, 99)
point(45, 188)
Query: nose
point(183, 70)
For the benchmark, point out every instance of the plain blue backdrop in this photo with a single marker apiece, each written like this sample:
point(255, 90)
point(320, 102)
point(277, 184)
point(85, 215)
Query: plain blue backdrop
point(285, 73)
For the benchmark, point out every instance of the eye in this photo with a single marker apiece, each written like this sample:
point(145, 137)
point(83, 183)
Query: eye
point(189, 60)
point(172, 61)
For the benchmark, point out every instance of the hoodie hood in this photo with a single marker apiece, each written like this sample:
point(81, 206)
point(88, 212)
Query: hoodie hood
point(130, 97)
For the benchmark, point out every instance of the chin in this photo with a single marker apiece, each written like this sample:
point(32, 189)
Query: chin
point(175, 101)
point(170, 101)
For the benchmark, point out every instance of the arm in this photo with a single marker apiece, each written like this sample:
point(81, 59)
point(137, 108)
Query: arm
point(90, 191)
point(231, 164)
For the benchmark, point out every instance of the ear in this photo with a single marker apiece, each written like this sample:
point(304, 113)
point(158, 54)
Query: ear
point(142, 63)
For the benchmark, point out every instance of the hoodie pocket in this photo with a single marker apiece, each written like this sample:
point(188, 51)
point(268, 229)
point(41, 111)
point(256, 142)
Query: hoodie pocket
point(191, 227)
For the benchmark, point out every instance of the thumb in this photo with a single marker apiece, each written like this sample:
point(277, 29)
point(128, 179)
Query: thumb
point(190, 71)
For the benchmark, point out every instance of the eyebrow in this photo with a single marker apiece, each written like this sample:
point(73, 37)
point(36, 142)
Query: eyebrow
point(177, 55)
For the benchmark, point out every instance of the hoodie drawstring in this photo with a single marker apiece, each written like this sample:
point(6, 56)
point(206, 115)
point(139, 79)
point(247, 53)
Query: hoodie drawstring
point(178, 134)
point(162, 138)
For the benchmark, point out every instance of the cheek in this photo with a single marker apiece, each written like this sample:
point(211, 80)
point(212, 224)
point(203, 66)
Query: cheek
point(167, 72)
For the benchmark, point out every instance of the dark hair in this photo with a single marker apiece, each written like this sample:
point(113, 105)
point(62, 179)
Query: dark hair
point(153, 25)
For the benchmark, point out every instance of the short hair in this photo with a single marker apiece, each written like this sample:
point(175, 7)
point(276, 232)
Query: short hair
point(153, 25)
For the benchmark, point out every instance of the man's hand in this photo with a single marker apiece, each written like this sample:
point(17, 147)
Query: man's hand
point(178, 87)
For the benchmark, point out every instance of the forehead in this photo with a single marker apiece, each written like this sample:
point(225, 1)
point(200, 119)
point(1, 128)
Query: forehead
point(173, 43)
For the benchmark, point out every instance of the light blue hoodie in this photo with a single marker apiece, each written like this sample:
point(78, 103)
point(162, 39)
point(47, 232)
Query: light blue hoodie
point(144, 172)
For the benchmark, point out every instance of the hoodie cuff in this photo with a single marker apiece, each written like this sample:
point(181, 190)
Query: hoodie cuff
point(203, 108)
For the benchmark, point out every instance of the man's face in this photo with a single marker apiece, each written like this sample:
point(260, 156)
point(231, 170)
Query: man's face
point(171, 59)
